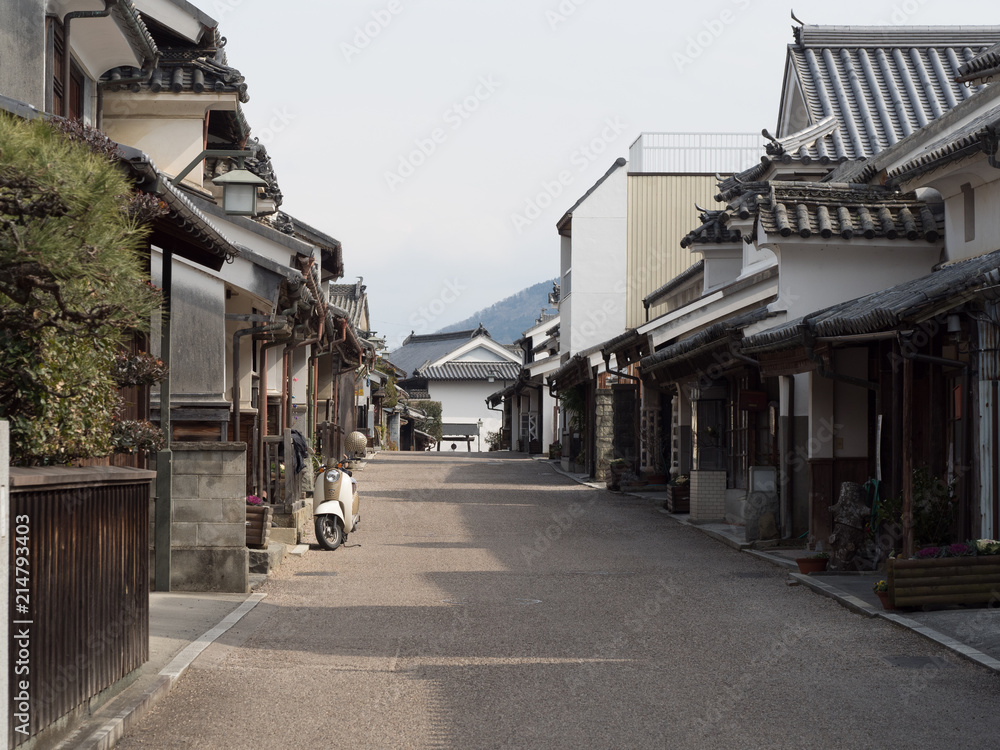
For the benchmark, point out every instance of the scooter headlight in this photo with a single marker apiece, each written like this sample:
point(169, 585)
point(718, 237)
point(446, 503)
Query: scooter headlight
point(332, 475)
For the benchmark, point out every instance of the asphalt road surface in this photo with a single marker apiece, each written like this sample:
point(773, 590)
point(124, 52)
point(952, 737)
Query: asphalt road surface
point(493, 603)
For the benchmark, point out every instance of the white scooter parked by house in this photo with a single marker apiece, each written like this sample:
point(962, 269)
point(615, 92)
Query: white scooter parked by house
point(335, 505)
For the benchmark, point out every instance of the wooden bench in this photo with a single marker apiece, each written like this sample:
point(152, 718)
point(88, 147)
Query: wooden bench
point(944, 580)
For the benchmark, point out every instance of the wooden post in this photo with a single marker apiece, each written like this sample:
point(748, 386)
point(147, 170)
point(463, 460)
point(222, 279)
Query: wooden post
point(907, 458)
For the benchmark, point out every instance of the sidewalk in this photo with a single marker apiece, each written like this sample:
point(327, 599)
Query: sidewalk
point(970, 632)
point(181, 626)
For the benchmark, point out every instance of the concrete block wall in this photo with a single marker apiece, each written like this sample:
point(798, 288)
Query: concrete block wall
point(208, 533)
point(708, 495)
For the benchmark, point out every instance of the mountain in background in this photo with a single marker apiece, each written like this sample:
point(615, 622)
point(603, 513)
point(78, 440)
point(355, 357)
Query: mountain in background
point(510, 317)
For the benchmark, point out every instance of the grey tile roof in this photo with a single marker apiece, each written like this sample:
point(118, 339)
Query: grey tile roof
point(353, 298)
point(977, 137)
point(690, 347)
point(678, 281)
point(880, 83)
point(848, 211)
point(472, 371)
point(183, 69)
point(887, 309)
point(981, 69)
point(183, 211)
point(574, 371)
point(418, 350)
point(129, 20)
point(713, 231)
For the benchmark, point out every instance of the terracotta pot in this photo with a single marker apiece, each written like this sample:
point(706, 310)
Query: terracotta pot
point(884, 598)
point(809, 565)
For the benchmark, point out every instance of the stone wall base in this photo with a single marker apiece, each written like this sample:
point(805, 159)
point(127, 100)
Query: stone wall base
point(289, 528)
point(218, 569)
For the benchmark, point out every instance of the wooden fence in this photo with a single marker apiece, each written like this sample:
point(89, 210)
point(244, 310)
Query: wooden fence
point(79, 588)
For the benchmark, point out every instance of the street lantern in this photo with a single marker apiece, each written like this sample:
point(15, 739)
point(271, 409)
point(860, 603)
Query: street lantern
point(239, 191)
point(239, 186)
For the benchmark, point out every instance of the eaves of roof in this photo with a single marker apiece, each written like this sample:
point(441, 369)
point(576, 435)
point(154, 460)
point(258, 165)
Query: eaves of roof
point(128, 19)
point(690, 274)
point(981, 69)
point(202, 17)
point(979, 137)
point(183, 209)
point(263, 230)
point(868, 170)
point(564, 222)
point(900, 306)
point(691, 347)
point(471, 371)
point(575, 371)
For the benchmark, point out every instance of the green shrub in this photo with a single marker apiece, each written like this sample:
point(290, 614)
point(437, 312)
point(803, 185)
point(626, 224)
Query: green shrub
point(72, 285)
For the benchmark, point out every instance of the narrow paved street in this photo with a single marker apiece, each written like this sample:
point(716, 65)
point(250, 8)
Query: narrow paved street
point(493, 603)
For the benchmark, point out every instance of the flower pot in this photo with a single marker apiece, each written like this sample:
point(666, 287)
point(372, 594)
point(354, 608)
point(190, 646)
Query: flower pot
point(809, 565)
point(884, 598)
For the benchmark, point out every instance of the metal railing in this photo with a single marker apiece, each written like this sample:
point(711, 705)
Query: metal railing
point(695, 153)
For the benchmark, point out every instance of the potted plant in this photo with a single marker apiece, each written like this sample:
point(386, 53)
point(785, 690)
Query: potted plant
point(881, 589)
point(555, 451)
point(813, 563)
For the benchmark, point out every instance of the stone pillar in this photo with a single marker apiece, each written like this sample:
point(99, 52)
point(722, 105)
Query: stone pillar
point(604, 427)
point(708, 495)
point(208, 550)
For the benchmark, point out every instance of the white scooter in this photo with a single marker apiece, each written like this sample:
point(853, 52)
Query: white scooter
point(335, 505)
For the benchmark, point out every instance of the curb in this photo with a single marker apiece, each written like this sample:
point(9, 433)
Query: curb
point(966, 652)
point(115, 728)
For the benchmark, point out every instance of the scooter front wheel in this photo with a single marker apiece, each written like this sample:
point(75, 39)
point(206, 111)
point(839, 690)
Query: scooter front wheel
point(329, 532)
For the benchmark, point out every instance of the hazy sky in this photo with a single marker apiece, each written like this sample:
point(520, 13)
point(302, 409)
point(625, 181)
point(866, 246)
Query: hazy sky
point(429, 135)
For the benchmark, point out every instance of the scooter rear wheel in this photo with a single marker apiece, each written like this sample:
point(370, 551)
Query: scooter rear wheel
point(329, 532)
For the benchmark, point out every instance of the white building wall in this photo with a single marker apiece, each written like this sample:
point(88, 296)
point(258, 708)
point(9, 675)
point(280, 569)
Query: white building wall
point(598, 259)
point(814, 276)
point(465, 403)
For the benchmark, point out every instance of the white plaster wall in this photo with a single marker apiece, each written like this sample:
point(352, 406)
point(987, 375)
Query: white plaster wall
point(169, 127)
point(465, 403)
point(599, 264)
point(987, 199)
point(814, 276)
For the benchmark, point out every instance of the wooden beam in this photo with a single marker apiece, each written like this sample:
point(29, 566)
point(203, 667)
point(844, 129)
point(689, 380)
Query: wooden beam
point(907, 458)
